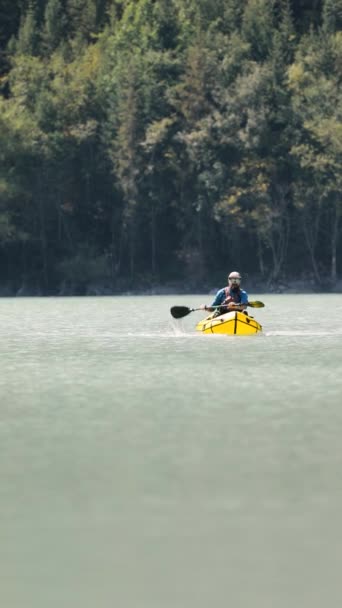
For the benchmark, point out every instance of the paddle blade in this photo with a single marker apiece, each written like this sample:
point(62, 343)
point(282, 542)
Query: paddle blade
point(178, 312)
point(256, 304)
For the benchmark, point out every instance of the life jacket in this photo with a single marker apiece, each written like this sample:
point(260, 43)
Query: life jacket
point(235, 296)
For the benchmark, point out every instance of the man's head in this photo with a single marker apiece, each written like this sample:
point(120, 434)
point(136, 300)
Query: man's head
point(234, 280)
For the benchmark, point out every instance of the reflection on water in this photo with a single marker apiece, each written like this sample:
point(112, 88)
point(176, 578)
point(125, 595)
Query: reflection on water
point(147, 465)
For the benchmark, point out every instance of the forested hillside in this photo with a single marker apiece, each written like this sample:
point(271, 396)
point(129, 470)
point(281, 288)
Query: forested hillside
point(164, 142)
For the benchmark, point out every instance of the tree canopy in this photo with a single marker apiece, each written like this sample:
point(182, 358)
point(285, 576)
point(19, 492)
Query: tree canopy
point(156, 142)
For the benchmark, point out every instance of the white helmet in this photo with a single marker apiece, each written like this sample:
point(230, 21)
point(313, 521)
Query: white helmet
point(234, 278)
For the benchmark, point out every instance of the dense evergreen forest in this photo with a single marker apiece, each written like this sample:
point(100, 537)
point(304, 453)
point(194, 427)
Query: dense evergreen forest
point(150, 143)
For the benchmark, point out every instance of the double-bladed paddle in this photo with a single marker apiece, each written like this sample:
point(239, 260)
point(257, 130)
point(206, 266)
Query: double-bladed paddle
point(178, 312)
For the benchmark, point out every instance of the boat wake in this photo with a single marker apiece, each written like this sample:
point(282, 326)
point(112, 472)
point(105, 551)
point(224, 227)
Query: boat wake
point(303, 334)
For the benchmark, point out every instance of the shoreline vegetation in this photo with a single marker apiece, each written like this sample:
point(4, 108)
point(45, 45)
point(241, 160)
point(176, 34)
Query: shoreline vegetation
point(299, 286)
point(148, 146)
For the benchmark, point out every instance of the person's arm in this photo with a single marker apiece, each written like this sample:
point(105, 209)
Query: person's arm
point(217, 301)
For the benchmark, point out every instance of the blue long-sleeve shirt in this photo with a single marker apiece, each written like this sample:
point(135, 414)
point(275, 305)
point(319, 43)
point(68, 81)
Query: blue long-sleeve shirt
point(240, 297)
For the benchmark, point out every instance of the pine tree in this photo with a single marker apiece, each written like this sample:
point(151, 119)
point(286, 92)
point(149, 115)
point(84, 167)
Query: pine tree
point(332, 16)
point(54, 25)
point(166, 17)
point(82, 18)
point(257, 27)
point(233, 13)
point(27, 42)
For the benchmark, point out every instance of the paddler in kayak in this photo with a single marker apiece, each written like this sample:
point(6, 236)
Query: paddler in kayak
point(229, 298)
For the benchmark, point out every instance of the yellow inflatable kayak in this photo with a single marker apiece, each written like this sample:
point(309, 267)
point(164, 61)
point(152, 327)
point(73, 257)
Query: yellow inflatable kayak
point(230, 323)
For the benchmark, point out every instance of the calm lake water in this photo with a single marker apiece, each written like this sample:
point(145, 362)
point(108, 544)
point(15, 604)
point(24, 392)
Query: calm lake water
point(144, 465)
